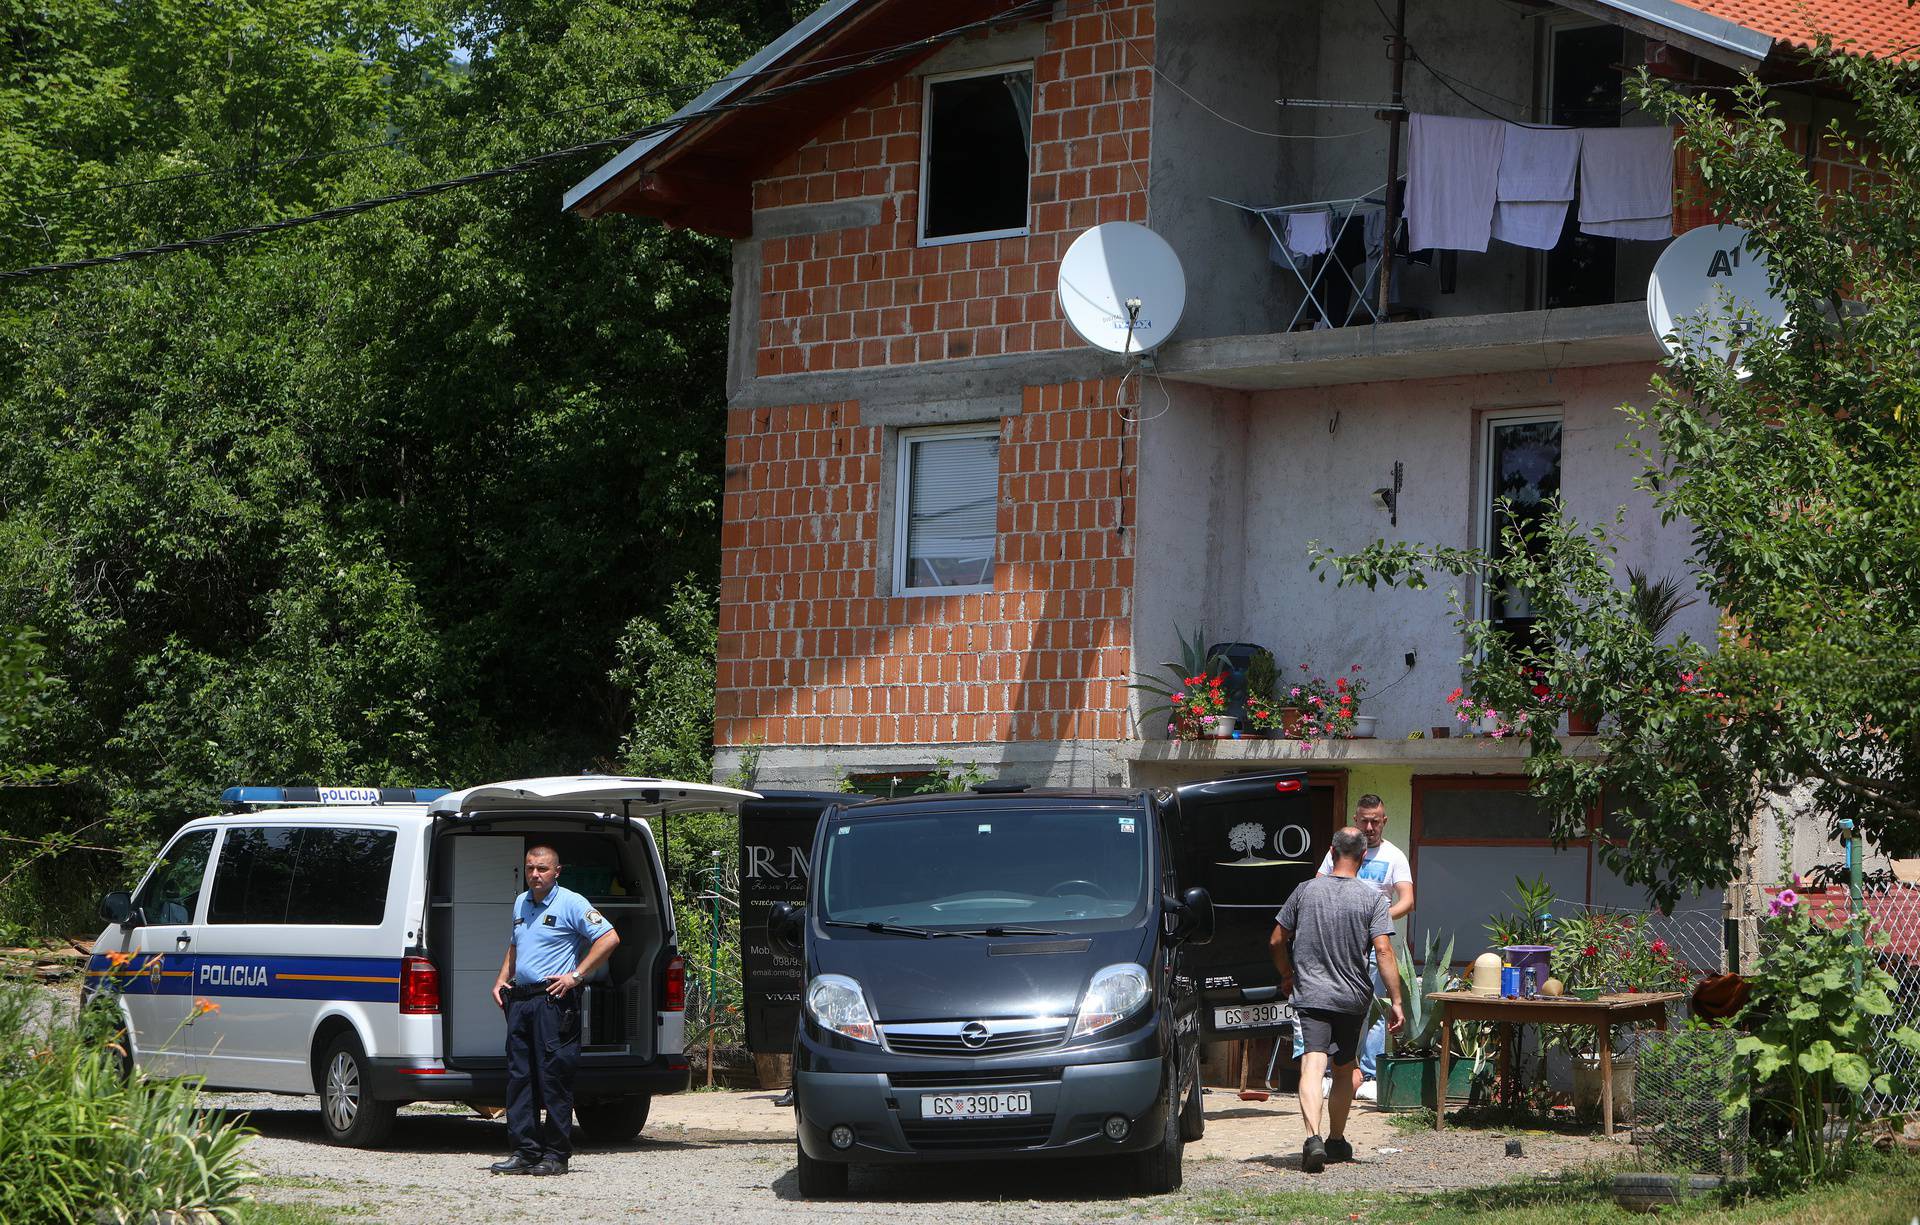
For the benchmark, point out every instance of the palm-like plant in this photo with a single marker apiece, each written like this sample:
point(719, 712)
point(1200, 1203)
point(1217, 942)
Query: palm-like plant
point(1195, 660)
point(1656, 602)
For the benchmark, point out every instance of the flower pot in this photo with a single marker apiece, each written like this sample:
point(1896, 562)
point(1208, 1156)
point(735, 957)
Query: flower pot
point(1406, 1082)
point(1363, 726)
point(1584, 993)
point(1586, 1084)
point(1583, 722)
point(1221, 728)
point(1289, 720)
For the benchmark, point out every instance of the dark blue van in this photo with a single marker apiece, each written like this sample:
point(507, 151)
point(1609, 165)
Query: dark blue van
point(1023, 973)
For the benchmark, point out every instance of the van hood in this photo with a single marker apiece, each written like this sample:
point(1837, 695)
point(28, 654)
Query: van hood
point(954, 978)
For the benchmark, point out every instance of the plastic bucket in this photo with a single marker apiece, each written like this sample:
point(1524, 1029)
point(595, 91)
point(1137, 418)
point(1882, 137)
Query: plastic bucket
point(1539, 956)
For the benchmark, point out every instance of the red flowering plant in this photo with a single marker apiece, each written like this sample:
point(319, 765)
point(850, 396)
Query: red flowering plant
point(1197, 707)
point(1263, 714)
point(1327, 709)
point(1615, 951)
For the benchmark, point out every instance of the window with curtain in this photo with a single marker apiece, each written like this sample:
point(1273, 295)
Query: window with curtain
point(977, 134)
point(947, 501)
point(1521, 464)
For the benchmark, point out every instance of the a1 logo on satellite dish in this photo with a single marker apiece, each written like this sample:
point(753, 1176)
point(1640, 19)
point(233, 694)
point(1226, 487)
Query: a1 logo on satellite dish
point(1121, 287)
point(1713, 290)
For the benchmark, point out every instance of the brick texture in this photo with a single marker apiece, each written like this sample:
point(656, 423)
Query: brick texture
point(872, 296)
point(1836, 170)
point(813, 651)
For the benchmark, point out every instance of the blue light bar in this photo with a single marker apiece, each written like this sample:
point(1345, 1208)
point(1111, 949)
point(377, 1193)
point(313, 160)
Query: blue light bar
point(260, 797)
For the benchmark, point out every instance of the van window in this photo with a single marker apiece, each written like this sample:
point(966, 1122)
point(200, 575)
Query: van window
point(172, 893)
point(284, 874)
point(989, 867)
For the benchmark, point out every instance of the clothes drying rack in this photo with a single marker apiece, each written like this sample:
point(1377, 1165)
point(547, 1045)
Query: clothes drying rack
point(1344, 214)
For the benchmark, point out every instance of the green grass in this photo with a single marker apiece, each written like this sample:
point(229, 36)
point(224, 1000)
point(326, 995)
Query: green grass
point(1885, 1190)
point(262, 1212)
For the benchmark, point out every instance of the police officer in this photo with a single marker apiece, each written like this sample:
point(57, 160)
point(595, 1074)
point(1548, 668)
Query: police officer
point(537, 984)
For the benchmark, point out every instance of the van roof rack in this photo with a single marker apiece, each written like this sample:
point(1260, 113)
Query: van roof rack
point(999, 786)
point(248, 799)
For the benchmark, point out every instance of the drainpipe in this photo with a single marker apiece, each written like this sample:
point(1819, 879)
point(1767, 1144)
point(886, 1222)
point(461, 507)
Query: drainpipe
point(1398, 45)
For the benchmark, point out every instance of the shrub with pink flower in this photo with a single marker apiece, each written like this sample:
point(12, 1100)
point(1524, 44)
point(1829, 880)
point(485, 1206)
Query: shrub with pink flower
point(1327, 709)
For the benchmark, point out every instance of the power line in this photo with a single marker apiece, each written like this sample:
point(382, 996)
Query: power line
point(766, 97)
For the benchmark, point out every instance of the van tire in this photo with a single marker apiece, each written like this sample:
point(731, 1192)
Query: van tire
point(613, 1120)
point(820, 1179)
point(1158, 1170)
point(349, 1113)
point(1193, 1112)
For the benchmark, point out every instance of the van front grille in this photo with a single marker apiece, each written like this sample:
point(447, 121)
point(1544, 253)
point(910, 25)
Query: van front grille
point(978, 1134)
point(969, 1080)
point(1001, 1038)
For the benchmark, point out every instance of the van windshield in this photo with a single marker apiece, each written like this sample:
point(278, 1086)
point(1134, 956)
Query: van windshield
point(1082, 869)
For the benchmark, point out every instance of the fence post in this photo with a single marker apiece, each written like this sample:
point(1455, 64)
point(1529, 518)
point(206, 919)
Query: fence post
point(713, 960)
point(1856, 902)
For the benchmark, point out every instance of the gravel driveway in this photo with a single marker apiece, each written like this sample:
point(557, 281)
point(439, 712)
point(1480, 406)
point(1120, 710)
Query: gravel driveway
point(729, 1157)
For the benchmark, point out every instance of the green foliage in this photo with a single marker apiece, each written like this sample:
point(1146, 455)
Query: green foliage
point(1529, 920)
point(1421, 1033)
point(669, 670)
point(1801, 484)
point(1811, 1041)
point(80, 1143)
point(1263, 676)
point(1195, 661)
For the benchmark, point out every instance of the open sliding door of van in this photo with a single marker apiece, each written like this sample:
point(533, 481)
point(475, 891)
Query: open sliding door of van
point(1248, 840)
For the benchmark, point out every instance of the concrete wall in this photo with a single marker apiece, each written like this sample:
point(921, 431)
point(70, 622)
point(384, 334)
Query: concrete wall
point(1302, 466)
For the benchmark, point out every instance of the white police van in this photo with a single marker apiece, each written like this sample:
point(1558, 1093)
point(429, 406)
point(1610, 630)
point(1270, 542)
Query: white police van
point(345, 942)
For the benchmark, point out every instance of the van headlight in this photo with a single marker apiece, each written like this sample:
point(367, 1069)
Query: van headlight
point(1115, 993)
point(836, 1002)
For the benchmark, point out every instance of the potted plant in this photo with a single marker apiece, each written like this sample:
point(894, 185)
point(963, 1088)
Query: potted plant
point(1194, 701)
point(1328, 709)
point(1407, 1073)
point(1264, 718)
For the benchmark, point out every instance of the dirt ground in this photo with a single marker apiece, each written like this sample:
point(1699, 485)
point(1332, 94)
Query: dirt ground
point(729, 1156)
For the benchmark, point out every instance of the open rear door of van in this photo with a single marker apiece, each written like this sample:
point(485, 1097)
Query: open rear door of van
point(1248, 840)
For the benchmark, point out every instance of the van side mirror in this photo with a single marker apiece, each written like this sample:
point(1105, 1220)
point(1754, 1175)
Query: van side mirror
point(784, 931)
point(1196, 916)
point(117, 907)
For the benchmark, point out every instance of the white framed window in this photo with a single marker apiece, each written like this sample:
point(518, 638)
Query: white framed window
point(1519, 462)
point(976, 138)
point(946, 502)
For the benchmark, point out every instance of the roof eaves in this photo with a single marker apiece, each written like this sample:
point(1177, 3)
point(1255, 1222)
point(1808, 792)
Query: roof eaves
point(720, 91)
point(1749, 44)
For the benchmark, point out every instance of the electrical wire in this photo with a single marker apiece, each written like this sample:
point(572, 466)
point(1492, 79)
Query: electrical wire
point(765, 98)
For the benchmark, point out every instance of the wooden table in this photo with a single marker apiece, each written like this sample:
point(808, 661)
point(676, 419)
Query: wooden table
point(1602, 1014)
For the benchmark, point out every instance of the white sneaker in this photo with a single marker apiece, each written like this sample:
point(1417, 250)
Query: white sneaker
point(1367, 1092)
point(1326, 1087)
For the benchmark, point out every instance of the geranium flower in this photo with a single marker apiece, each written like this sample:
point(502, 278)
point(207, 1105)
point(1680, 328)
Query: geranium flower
point(1455, 695)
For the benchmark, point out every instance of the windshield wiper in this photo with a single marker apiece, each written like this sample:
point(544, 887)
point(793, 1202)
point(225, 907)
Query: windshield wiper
point(891, 929)
point(1014, 931)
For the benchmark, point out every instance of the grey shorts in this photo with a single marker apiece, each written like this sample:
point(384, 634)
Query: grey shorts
point(1337, 1034)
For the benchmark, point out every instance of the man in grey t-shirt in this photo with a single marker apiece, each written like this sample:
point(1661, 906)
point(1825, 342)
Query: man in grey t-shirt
point(1320, 941)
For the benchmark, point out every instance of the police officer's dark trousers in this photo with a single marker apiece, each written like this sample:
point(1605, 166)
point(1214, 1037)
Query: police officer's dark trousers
point(543, 1049)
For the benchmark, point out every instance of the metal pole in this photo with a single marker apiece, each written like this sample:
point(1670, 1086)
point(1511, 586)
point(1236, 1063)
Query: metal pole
point(713, 961)
point(1857, 903)
point(1399, 45)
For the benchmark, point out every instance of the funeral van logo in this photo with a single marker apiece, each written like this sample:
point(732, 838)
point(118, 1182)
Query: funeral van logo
point(1250, 839)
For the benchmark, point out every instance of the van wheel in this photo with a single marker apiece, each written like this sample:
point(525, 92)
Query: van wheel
point(1159, 1169)
point(613, 1120)
point(821, 1179)
point(1193, 1114)
point(351, 1114)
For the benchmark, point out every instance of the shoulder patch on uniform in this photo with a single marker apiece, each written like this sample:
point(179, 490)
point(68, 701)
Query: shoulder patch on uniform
point(593, 916)
point(547, 921)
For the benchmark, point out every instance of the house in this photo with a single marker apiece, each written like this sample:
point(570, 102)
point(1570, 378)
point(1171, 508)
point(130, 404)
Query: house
point(954, 530)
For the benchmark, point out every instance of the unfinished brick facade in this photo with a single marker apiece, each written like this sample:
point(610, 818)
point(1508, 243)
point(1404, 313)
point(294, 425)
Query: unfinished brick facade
point(812, 651)
point(872, 296)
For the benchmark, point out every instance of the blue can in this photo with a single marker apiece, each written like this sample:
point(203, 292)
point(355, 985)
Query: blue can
point(1510, 981)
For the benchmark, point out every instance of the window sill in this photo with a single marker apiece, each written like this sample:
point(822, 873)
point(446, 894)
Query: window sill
point(983, 236)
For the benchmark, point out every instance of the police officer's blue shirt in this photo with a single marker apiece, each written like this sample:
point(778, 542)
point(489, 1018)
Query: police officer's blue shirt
point(550, 936)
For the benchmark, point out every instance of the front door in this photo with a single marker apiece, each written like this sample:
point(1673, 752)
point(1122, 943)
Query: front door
point(156, 978)
point(1248, 840)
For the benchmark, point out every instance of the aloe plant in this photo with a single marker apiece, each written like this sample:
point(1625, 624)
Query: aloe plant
point(1421, 1033)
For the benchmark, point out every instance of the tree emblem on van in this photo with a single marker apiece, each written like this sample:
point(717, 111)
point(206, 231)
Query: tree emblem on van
point(1250, 837)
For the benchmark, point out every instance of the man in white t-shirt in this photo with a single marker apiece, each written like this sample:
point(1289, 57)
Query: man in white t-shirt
point(1386, 868)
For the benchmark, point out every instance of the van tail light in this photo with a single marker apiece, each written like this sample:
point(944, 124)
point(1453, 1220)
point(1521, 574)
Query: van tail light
point(1287, 784)
point(674, 997)
point(419, 986)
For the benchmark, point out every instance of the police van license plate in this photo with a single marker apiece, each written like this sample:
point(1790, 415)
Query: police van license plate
point(1252, 1016)
point(975, 1105)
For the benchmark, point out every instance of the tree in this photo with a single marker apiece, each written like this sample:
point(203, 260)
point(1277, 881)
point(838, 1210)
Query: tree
point(1801, 486)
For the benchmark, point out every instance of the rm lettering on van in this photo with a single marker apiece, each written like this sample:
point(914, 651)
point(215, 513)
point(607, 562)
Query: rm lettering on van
point(760, 862)
point(233, 975)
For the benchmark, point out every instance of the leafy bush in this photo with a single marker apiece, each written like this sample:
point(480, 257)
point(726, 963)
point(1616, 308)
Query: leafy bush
point(79, 1142)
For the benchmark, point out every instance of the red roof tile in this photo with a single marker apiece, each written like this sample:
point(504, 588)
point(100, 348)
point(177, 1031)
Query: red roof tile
point(1876, 27)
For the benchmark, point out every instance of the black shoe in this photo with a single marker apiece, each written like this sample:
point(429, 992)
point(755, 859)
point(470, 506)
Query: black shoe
point(515, 1164)
point(785, 1099)
point(548, 1168)
point(1339, 1150)
point(1313, 1155)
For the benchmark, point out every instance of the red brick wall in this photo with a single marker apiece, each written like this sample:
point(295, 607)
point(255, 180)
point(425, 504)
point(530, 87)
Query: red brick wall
point(871, 296)
point(1693, 199)
point(811, 652)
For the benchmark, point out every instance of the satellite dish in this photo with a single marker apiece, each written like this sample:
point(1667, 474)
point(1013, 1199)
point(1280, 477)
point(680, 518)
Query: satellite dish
point(1709, 274)
point(1121, 287)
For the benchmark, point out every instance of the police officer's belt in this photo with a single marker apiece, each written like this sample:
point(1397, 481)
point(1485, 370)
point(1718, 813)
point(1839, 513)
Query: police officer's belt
point(526, 991)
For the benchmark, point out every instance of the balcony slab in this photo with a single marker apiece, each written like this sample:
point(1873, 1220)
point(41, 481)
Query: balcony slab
point(1152, 762)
